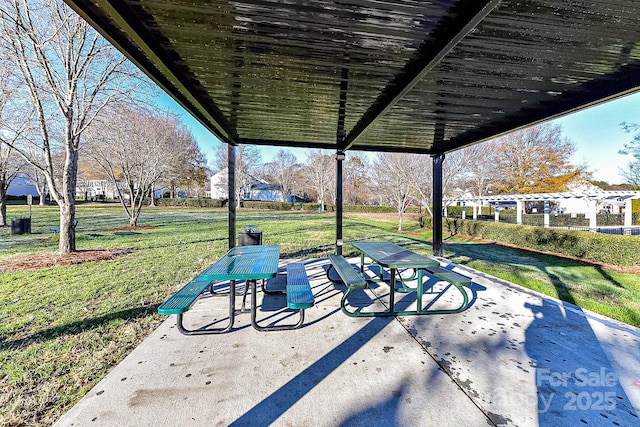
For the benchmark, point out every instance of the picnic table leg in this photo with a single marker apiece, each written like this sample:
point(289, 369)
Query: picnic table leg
point(254, 316)
point(244, 295)
point(392, 290)
point(208, 331)
point(420, 290)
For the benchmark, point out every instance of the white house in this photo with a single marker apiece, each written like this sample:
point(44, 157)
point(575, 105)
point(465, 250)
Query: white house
point(258, 189)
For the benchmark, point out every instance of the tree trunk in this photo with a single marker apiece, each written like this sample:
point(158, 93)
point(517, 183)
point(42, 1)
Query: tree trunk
point(400, 212)
point(152, 196)
point(3, 203)
point(67, 229)
point(68, 202)
point(3, 209)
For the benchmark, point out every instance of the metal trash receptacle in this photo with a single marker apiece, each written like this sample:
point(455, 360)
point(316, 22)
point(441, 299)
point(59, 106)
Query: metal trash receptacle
point(250, 236)
point(21, 225)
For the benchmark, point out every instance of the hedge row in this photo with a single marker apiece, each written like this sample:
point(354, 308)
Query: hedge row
point(313, 207)
point(598, 247)
point(194, 203)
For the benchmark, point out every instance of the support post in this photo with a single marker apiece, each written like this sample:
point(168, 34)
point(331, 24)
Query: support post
point(438, 159)
point(593, 219)
point(519, 212)
point(475, 210)
point(464, 210)
point(547, 211)
point(231, 170)
point(339, 159)
point(628, 214)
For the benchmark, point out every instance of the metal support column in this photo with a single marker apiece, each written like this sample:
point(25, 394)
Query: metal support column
point(547, 212)
point(231, 169)
point(339, 159)
point(437, 203)
point(341, 144)
point(628, 213)
point(519, 212)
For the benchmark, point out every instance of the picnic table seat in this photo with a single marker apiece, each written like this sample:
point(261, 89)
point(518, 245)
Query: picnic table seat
point(299, 297)
point(180, 302)
point(457, 280)
point(351, 279)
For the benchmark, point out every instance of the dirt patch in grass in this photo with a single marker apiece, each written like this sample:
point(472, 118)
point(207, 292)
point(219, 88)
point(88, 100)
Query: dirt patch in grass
point(136, 228)
point(51, 259)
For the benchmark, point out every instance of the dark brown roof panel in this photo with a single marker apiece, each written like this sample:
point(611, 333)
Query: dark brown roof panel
point(385, 75)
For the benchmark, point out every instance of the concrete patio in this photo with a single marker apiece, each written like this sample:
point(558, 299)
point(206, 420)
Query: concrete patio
point(514, 357)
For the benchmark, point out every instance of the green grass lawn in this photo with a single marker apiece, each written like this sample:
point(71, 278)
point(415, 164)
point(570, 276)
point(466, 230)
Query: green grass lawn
point(62, 328)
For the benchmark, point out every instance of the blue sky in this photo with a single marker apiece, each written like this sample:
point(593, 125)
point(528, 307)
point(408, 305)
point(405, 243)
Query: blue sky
point(596, 133)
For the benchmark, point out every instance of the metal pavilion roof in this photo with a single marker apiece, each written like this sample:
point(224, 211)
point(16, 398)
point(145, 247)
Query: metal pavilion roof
point(407, 76)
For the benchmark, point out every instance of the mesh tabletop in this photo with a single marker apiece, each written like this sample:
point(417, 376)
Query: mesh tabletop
point(245, 263)
point(391, 255)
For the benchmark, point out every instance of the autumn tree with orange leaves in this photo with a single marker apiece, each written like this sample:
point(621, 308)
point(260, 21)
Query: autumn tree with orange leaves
point(535, 160)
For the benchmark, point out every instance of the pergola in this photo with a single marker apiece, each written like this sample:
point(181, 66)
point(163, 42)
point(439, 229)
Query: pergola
point(403, 76)
point(592, 196)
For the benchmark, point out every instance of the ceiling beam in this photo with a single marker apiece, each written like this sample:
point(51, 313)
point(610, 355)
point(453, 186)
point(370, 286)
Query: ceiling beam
point(121, 27)
point(449, 34)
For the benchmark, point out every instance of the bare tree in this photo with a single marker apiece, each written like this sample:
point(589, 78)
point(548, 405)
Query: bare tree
point(356, 191)
point(67, 74)
point(395, 176)
point(483, 169)
point(135, 148)
point(184, 166)
point(10, 166)
point(37, 179)
point(318, 172)
point(284, 168)
point(631, 173)
point(423, 182)
point(248, 162)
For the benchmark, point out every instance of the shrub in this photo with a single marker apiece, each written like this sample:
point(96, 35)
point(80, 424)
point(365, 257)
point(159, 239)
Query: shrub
point(196, 203)
point(598, 247)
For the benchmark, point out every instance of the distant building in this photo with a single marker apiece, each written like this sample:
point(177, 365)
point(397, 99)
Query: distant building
point(92, 189)
point(22, 186)
point(258, 189)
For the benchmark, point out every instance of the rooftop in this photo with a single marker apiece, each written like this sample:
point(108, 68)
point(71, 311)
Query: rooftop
point(425, 77)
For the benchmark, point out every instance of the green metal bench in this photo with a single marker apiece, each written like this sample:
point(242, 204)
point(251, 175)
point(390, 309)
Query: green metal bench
point(351, 279)
point(56, 230)
point(299, 294)
point(181, 301)
point(299, 297)
point(457, 280)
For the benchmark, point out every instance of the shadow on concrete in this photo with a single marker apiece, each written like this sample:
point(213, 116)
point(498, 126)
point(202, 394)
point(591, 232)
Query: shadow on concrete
point(381, 414)
point(272, 407)
point(576, 383)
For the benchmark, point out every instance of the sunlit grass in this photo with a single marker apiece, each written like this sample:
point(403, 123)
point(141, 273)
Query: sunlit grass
point(612, 294)
point(63, 328)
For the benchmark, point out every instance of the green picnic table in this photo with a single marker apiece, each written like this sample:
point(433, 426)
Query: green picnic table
point(249, 263)
point(395, 258)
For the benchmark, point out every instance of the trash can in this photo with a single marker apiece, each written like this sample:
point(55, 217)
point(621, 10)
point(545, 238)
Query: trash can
point(250, 236)
point(20, 225)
